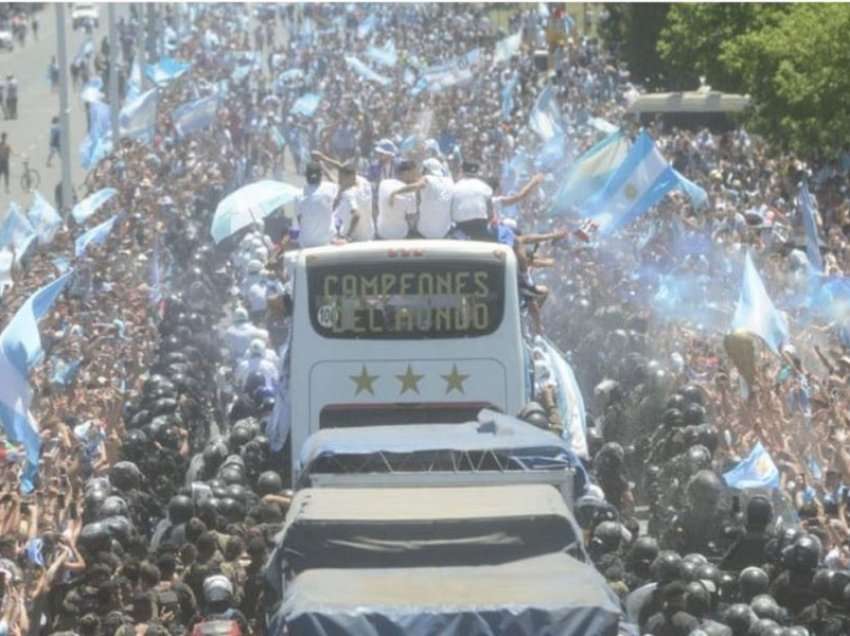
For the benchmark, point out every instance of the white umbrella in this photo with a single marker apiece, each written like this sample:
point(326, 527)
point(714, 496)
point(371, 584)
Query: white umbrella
point(249, 204)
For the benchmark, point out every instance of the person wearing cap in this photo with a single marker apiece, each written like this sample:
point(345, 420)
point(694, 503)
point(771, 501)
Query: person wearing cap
point(257, 361)
point(241, 333)
point(395, 214)
point(218, 605)
point(314, 209)
point(435, 194)
point(472, 204)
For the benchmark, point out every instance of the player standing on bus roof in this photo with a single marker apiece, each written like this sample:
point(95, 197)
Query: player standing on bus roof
point(353, 203)
point(314, 209)
point(472, 205)
point(435, 196)
point(396, 216)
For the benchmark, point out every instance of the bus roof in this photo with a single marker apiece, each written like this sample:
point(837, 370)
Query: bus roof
point(495, 432)
point(690, 102)
point(552, 593)
point(407, 248)
point(375, 505)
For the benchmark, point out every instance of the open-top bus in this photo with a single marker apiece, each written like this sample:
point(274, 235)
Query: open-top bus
point(391, 332)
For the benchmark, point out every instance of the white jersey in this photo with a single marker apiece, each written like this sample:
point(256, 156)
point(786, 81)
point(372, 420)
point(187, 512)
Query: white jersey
point(392, 219)
point(470, 199)
point(239, 336)
point(257, 365)
point(315, 214)
point(357, 198)
point(435, 199)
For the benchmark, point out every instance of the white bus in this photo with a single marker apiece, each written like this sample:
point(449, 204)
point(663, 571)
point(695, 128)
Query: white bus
point(402, 332)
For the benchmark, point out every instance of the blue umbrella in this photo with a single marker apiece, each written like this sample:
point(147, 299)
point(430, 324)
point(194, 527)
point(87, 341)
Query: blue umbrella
point(248, 205)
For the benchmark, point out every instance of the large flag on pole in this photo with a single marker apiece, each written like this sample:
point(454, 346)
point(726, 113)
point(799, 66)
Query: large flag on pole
point(755, 312)
point(20, 350)
point(91, 204)
point(806, 202)
point(44, 218)
point(97, 235)
point(640, 182)
point(590, 172)
point(545, 118)
point(138, 117)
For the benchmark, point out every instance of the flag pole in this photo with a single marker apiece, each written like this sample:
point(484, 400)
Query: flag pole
point(113, 75)
point(64, 109)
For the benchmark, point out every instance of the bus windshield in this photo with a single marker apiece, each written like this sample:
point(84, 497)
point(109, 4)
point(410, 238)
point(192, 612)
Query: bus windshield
point(415, 300)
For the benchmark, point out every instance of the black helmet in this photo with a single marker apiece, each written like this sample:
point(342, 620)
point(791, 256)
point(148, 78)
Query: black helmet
point(759, 512)
point(837, 582)
point(125, 476)
point(644, 550)
point(708, 437)
point(708, 572)
point(180, 509)
point(796, 630)
point(804, 555)
point(164, 406)
point(93, 502)
point(699, 458)
point(728, 587)
point(765, 627)
point(698, 599)
point(214, 454)
point(704, 489)
point(691, 393)
point(135, 445)
point(694, 415)
point(119, 528)
point(113, 507)
point(232, 510)
point(676, 402)
point(739, 618)
point(237, 492)
point(590, 511)
point(606, 537)
point(689, 570)
point(253, 382)
point(269, 483)
point(232, 474)
point(765, 606)
point(609, 458)
point(139, 419)
point(752, 581)
point(240, 435)
point(94, 537)
point(667, 567)
point(673, 418)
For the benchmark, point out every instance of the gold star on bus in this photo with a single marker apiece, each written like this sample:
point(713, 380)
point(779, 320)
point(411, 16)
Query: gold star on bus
point(409, 380)
point(454, 380)
point(363, 381)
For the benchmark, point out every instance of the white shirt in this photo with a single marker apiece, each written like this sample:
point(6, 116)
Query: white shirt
point(257, 365)
point(392, 219)
point(315, 214)
point(239, 336)
point(256, 297)
point(357, 198)
point(435, 215)
point(469, 200)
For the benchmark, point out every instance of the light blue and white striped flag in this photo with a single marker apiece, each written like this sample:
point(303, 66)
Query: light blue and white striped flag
point(365, 72)
point(755, 312)
point(507, 47)
point(17, 232)
point(166, 70)
point(97, 235)
point(138, 118)
point(44, 219)
point(807, 205)
point(590, 172)
point(636, 185)
point(306, 105)
point(91, 204)
point(383, 56)
point(545, 118)
point(20, 350)
point(194, 116)
point(757, 470)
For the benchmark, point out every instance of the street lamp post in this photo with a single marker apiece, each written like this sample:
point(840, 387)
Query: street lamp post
point(113, 74)
point(64, 108)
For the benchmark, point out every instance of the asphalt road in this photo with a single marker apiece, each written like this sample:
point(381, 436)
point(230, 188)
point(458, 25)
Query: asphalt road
point(28, 135)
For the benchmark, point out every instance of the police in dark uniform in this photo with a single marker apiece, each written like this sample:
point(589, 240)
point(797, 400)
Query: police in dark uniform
point(702, 526)
point(793, 588)
point(750, 549)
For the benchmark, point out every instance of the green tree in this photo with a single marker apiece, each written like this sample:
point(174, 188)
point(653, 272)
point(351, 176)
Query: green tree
point(631, 32)
point(690, 43)
point(797, 71)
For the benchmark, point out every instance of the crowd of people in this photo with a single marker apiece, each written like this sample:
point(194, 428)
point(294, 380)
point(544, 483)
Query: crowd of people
point(158, 492)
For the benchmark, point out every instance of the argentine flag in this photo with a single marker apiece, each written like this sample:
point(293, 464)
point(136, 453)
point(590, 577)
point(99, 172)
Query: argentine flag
point(806, 204)
point(755, 312)
point(590, 172)
point(20, 351)
point(757, 470)
point(640, 181)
